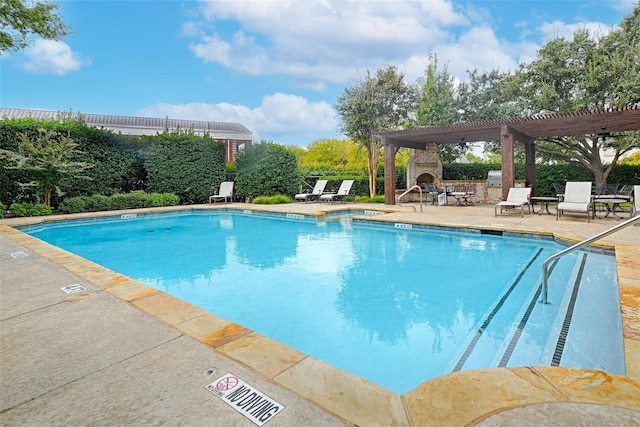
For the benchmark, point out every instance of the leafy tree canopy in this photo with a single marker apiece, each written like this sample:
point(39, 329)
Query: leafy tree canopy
point(20, 19)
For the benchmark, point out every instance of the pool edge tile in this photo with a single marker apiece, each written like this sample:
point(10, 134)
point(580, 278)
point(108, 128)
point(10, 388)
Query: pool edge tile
point(591, 386)
point(212, 330)
point(168, 309)
point(460, 398)
point(353, 398)
point(132, 291)
point(264, 355)
point(632, 358)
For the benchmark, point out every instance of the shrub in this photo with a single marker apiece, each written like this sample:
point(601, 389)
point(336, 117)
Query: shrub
point(73, 204)
point(21, 209)
point(29, 209)
point(97, 203)
point(134, 199)
point(367, 199)
point(169, 199)
point(272, 200)
point(2, 209)
point(40, 209)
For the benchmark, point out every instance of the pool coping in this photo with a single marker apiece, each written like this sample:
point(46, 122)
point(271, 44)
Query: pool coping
point(461, 398)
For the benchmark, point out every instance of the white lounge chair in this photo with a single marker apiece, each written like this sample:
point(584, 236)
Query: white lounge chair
point(315, 194)
point(224, 193)
point(516, 198)
point(343, 191)
point(577, 198)
point(635, 206)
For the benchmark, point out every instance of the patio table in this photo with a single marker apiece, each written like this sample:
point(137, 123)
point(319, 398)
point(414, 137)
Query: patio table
point(544, 204)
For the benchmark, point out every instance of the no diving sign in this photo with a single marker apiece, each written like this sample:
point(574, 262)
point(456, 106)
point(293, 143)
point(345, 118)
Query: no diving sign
point(246, 399)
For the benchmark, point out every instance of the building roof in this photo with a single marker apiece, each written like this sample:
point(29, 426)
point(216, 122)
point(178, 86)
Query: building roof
point(137, 126)
point(547, 125)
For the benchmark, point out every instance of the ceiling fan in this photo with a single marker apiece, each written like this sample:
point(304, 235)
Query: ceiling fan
point(604, 134)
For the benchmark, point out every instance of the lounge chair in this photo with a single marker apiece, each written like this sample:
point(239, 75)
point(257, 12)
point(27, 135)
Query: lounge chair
point(577, 198)
point(343, 191)
point(516, 198)
point(635, 206)
point(225, 192)
point(315, 193)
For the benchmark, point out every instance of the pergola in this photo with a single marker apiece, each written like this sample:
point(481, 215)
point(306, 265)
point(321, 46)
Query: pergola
point(507, 131)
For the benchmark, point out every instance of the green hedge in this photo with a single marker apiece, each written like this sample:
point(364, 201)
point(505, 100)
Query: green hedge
point(135, 199)
point(189, 166)
point(266, 169)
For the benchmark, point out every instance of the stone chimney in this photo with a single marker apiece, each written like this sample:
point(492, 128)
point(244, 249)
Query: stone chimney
point(424, 166)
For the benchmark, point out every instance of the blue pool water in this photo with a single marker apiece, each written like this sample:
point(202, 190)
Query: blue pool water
point(393, 304)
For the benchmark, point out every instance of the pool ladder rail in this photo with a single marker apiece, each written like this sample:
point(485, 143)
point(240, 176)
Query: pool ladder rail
point(409, 191)
point(554, 258)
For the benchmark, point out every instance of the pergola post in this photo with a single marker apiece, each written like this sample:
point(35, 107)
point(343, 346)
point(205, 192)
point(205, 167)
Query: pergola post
point(389, 173)
point(508, 163)
point(530, 165)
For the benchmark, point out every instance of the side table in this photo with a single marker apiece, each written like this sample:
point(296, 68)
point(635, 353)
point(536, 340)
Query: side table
point(544, 204)
point(611, 203)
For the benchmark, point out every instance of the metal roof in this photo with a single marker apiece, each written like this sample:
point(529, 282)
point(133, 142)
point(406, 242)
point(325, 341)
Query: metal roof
point(130, 125)
point(549, 125)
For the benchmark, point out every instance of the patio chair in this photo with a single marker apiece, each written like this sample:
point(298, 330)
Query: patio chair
point(577, 198)
point(559, 190)
point(343, 191)
point(225, 192)
point(626, 192)
point(430, 190)
point(315, 194)
point(516, 198)
point(607, 190)
point(635, 206)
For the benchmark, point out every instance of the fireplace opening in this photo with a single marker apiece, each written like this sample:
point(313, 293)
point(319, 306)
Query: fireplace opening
point(425, 178)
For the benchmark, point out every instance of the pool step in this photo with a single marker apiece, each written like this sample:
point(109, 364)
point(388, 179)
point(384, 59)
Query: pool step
point(578, 338)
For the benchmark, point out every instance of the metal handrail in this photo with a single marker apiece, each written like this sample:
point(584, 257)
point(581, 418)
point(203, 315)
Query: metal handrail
point(407, 192)
point(554, 257)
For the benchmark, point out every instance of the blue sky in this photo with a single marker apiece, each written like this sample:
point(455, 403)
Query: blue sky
point(277, 67)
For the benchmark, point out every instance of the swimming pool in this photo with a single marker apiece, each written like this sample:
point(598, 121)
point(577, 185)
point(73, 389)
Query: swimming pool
point(417, 301)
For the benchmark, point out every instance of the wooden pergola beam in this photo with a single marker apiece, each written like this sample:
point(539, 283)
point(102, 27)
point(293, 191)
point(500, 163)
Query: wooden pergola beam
point(521, 129)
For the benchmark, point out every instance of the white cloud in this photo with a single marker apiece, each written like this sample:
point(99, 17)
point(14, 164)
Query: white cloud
point(319, 42)
point(51, 57)
point(555, 29)
point(323, 42)
point(280, 116)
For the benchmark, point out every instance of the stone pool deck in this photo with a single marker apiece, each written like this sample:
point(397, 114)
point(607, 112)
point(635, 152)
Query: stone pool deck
point(122, 353)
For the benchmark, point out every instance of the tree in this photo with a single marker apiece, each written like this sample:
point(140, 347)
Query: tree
point(334, 154)
point(48, 160)
point(377, 103)
point(21, 18)
point(584, 72)
point(437, 104)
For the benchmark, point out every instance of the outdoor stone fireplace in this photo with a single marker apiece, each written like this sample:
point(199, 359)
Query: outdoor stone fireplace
point(424, 166)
